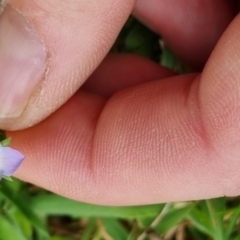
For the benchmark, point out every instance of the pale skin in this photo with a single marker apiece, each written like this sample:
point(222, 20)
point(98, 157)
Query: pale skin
point(172, 138)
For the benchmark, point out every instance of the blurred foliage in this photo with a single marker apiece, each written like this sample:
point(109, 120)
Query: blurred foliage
point(30, 213)
point(137, 39)
point(3, 135)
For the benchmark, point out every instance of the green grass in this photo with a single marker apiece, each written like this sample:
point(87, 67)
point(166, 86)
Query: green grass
point(30, 213)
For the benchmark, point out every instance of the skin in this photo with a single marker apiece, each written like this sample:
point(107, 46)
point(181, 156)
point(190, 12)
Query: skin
point(135, 133)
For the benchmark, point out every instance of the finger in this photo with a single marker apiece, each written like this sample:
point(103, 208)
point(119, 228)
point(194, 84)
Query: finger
point(48, 49)
point(190, 28)
point(144, 146)
point(119, 71)
point(169, 140)
point(220, 103)
point(84, 109)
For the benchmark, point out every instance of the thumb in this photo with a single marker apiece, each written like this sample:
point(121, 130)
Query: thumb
point(48, 49)
point(219, 103)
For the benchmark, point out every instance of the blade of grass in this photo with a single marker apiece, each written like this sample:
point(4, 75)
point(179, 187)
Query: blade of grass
point(172, 218)
point(57, 205)
point(155, 221)
point(215, 211)
point(168, 59)
point(9, 231)
point(134, 231)
point(24, 224)
point(200, 221)
point(60, 238)
point(232, 222)
point(115, 229)
point(21, 203)
point(140, 40)
point(87, 234)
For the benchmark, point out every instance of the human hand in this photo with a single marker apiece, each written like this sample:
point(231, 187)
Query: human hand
point(165, 140)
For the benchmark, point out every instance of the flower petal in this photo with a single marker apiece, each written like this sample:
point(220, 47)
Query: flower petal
point(11, 160)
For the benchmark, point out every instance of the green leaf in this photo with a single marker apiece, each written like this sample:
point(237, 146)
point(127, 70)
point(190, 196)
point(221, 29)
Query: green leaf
point(6, 142)
point(168, 59)
point(138, 39)
point(8, 230)
point(200, 219)
point(14, 186)
point(216, 209)
point(22, 221)
point(61, 238)
point(207, 217)
point(172, 218)
point(87, 234)
point(19, 201)
point(57, 205)
point(142, 41)
point(233, 219)
point(134, 232)
point(8, 178)
point(115, 229)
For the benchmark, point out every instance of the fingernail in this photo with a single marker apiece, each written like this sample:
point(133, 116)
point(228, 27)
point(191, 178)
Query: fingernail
point(22, 62)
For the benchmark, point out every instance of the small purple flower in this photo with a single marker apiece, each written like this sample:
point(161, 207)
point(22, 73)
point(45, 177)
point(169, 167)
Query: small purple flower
point(10, 160)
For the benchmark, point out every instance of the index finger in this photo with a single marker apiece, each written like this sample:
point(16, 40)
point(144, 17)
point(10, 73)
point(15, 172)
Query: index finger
point(169, 140)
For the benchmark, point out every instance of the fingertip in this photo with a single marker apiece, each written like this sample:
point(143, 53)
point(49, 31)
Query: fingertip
point(197, 25)
point(70, 39)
